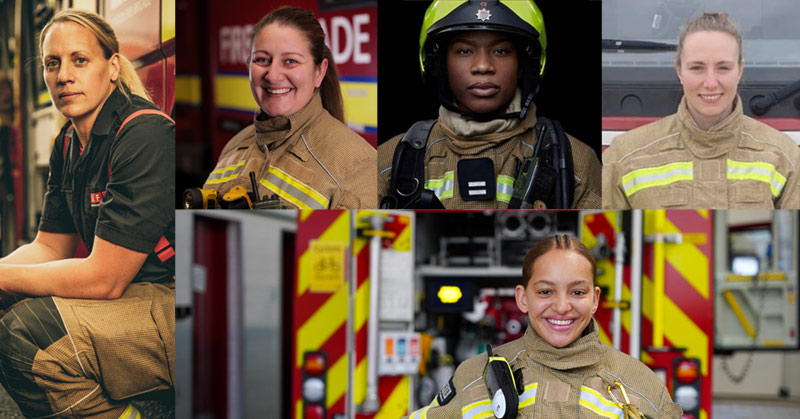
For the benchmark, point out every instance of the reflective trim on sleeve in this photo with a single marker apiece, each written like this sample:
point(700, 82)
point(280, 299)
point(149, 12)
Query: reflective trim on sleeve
point(528, 397)
point(225, 174)
point(443, 186)
point(421, 413)
point(648, 177)
point(505, 188)
point(593, 401)
point(759, 172)
point(477, 410)
point(292, 190)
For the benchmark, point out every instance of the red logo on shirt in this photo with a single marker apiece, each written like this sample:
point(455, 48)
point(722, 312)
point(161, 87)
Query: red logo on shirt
point(96, 198)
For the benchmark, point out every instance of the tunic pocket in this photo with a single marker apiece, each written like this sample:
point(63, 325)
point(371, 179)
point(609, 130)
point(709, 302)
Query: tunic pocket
point(750, 196)
point(674, 197)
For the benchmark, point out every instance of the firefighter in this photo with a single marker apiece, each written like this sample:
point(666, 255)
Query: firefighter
point(708, 154)
point(486, 59)
point(560, 368)
point(298, 147)
point(80, 336)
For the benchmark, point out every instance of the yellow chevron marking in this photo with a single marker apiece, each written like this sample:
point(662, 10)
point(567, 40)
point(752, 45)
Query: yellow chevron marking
point(339, 230)
point(396, 405)
point(703, 414)
point(358, 245)
point(612, 218)
point(626, 323)
point(360, 382)
point(298, 408)
point(689, 261)
point(587, 237)
point(337, 381)
point(683, 332)
point(361, 306)
point(703, 213)
point(319, 327)
point(403, 241)
point(604, 336)
point(304, 214)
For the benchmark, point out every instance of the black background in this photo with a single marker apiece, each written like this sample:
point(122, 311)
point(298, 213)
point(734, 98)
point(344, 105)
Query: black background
point(571, 87)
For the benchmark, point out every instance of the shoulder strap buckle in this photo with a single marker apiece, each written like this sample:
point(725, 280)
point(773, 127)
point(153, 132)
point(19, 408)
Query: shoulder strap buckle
point(408, 171)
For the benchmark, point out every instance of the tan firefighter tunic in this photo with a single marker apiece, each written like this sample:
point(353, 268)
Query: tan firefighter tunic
point(309, 160)
point(580, 380)
point(739, 163)
point(507, 142)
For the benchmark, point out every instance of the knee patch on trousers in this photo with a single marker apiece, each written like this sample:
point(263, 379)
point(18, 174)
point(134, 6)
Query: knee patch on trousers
point(29, 327)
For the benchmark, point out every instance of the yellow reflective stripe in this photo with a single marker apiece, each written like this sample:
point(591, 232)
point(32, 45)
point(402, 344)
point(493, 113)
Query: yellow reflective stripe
point(477, 410)
point(225, 174)
point(505, 188)
point(293, 190)
point(757, 171)
point(528, 396)
point(443, 186)
point(421, 413)
point(648, 177)
point(130, 412)
point(593, 401)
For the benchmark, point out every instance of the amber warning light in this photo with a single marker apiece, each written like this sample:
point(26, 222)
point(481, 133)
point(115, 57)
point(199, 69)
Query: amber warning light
point(449, 294)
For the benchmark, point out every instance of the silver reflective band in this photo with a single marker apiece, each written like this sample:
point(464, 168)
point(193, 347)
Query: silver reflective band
point(592, 400)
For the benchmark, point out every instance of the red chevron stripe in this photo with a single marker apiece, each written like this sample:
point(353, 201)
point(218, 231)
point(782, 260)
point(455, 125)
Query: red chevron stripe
point(600, 224)
point(313, 227)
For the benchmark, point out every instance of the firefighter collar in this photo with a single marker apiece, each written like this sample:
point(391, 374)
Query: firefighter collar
point(275, 130)
point(102, 124)
point(468, 128)
point(719, 139)
point(585, 351)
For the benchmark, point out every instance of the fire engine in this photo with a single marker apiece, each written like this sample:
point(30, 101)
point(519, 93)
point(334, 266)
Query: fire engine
point(366, 314)
point(146, 33)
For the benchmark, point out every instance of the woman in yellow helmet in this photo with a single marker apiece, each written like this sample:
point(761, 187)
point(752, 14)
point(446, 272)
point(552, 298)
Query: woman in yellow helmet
point(486, 59)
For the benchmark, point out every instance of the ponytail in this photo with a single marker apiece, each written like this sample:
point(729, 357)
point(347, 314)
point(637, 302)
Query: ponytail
point(129, 80)
point(330, 90)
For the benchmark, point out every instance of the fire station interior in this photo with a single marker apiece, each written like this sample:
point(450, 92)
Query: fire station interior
point(277, 311)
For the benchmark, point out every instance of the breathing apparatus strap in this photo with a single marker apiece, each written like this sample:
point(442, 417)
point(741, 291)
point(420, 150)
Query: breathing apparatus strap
point(548, 175)
point(408, 172)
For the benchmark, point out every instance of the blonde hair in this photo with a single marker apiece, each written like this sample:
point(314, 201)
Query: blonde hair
point(709, 21)
point(107, 39)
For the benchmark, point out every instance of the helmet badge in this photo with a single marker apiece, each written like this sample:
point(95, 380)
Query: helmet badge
point(483, 15)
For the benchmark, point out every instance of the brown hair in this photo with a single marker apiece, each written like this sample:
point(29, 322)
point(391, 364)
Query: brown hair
point(556, 242)
point(105, 36)
point(719, 22)
point(305, 22)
